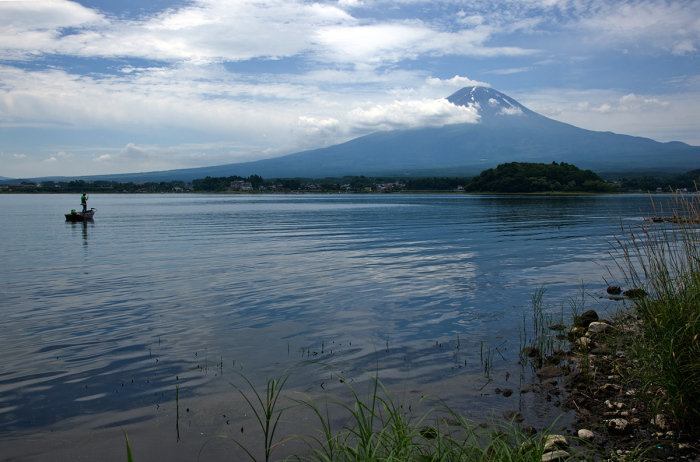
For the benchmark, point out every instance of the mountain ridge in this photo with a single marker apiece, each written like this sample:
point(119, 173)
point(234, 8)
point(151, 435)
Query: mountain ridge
point(506, 131)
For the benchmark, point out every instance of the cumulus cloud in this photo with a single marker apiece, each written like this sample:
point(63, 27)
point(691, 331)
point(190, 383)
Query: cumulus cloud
point(31, 27)
point(397, 115)
point(131, 153)
point(628, 103)
point(672, 26)
point(455, 81)
point(513, 111)
point(60, 156)
point(671, 117)
point(19, 156)
point(410, 114)
point(311, 126)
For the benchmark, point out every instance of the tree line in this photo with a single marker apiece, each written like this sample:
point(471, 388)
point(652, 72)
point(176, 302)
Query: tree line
point(513, 177)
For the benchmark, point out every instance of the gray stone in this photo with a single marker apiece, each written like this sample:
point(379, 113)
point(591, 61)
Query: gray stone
point(599, 328)
point(555, 456)
point(586, 435)
point(555, 442)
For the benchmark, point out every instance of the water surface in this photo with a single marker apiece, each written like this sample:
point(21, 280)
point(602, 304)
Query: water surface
point(101, 320)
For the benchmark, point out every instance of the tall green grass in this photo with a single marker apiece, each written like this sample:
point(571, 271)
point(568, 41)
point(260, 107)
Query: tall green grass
point(374, 426)
point(663, 259)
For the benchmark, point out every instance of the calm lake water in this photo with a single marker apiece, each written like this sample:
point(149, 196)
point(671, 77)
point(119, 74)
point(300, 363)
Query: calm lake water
point(101, 321)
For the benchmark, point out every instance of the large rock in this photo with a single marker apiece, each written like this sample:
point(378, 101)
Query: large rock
point(586, 318)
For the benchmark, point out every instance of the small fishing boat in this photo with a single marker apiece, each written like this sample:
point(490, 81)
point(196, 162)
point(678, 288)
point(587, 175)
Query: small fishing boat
point(80, 216)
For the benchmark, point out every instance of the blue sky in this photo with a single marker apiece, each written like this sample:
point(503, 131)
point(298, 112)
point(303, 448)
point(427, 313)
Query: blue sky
point(95, 86)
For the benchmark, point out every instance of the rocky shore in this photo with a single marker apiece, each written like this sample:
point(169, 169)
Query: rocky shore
point(596, 380)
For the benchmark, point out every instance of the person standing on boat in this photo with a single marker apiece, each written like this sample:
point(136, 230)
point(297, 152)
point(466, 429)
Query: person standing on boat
point(83, 202)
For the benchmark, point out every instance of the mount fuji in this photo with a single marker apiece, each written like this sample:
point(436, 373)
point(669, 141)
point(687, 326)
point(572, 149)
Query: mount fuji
point(506, 131)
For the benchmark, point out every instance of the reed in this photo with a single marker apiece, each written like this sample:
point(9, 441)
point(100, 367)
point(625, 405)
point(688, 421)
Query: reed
point(661, 261)
point(129, 455)
point(378, 428)
point(265, 409)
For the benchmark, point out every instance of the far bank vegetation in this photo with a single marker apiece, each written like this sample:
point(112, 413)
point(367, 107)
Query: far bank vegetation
point(521, 177)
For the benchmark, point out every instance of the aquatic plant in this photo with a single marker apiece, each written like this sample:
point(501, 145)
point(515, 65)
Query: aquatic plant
point(660, 260)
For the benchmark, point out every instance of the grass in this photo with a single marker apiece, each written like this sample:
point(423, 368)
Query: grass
point(663, 260)
point(376, 427)
point(129, 456)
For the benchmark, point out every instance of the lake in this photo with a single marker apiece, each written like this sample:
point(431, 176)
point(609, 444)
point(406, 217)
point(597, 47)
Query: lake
point(101, 321)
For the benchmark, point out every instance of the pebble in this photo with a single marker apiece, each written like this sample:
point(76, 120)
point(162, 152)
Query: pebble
point(586, 435)
point(555, 455)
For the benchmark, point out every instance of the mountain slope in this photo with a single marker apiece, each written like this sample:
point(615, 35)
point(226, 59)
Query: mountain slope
point(506, 132)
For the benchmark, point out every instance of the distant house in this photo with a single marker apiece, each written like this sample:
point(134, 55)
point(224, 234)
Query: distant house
point(15, 186)
point(240, 185)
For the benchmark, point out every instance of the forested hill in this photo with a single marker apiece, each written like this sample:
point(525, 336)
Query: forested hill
point(521, 177)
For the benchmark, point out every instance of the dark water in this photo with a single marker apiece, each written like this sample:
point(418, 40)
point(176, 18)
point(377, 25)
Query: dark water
point(106, 317)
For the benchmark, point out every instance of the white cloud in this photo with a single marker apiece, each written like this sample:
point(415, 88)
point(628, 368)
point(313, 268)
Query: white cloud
point(516, 111)
point(33, 27)
point(350, 3)
point(670, 117)
point(411, 114)
point(671, 26)
point(397, 115)
point(515, 70)
point(19, 156)
point(456, 81)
